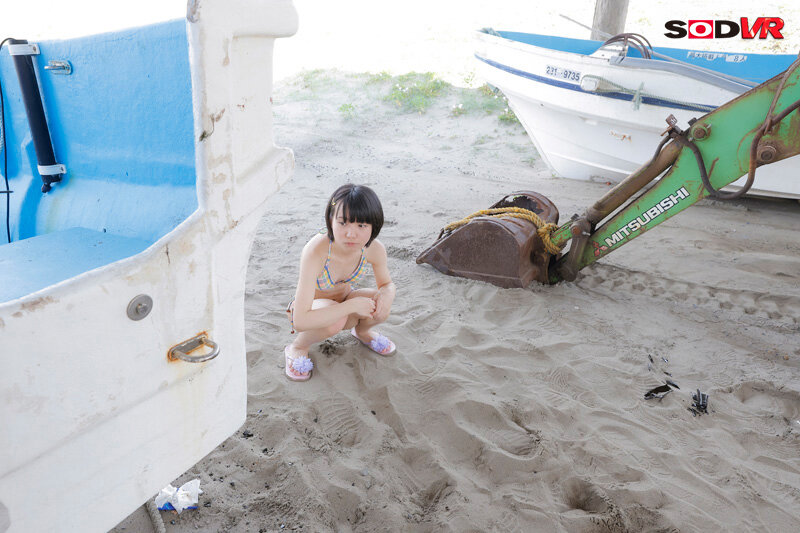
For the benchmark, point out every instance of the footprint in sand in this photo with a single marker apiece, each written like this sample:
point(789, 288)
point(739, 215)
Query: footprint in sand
point(434, 388)
point(509, 523)
point(432, 497)
point(769, 411)
point(783, 308)
point(497, 428)
point(766, 398)
point(583, 496)
point(401, 252)
point(338, 419)
point(331, 347)
point(601, 512)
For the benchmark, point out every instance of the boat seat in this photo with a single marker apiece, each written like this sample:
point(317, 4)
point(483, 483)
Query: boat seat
point(32, 264)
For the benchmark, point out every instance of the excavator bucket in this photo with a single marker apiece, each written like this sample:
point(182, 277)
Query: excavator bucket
point(505, 251)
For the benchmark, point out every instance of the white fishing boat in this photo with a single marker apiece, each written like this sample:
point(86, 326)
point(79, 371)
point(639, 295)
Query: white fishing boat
point(596, 112)
point(122, 351)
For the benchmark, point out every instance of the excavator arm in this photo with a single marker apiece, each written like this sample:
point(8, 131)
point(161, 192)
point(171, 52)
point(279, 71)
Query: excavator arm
point(757, 128)
point(518, 239)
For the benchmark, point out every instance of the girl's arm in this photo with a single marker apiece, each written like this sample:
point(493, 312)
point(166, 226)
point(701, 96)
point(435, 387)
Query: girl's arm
point(376, 255)
point(312, 261)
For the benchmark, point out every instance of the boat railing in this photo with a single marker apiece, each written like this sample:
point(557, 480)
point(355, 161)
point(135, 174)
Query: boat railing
point(716, 79)
point(747, 83)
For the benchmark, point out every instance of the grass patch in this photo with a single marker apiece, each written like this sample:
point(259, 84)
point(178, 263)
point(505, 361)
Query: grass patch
point(313, 79)
point(348, 111)
point(307, 85)
point(414, 91)
point(379, 78)
point(469, 79)
point(508, 117)
point(481, 101)
point(485, 100)
point(486, 90)
point(481, 139)
point(457, 110)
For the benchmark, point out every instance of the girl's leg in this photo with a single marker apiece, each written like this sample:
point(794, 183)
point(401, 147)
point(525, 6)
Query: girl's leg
point(363, 326)
point(305, 339)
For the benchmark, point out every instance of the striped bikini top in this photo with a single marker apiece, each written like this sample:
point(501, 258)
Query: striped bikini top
point(325, 281)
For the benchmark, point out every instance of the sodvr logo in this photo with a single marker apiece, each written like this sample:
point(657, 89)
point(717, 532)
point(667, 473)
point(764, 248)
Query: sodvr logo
point(725, 29)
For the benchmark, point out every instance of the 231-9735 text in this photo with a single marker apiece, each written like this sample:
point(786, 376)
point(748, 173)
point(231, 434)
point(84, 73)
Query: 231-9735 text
point(563, 73)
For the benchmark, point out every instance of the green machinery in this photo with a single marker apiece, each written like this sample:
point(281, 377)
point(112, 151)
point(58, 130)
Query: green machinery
point(757, 128)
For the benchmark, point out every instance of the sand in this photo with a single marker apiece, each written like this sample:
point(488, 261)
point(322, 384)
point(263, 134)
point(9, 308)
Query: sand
point(509, 409)
point(505, 409)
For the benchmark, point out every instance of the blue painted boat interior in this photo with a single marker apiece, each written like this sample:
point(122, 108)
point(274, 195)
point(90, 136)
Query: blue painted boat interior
point(754, 67)
point(122, 124)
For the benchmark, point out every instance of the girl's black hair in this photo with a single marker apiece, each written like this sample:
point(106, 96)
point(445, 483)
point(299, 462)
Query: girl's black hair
point(359, 203)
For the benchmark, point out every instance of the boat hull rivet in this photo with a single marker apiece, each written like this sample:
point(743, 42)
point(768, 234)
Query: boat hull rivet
point(140, 307)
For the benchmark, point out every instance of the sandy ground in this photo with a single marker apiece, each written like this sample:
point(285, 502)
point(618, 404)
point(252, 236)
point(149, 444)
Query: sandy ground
point(509, 409)
point(504, 409)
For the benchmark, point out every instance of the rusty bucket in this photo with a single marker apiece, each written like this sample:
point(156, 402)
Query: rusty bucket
point(504, 251)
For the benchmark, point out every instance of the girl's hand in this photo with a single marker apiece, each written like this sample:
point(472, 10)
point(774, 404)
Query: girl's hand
point(383, 305)
point(362, 307)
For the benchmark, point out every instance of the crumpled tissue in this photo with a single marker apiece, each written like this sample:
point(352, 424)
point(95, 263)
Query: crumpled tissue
point(186, 497)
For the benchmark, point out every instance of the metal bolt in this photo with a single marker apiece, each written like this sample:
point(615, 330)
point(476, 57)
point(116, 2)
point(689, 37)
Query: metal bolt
point(701, 132)
point(140, 307)
point(766, 153)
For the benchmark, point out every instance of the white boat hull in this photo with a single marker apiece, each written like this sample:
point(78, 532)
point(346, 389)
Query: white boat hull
point(96, 419)
point(588, 136)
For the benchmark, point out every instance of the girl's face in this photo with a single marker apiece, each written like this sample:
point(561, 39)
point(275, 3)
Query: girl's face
point(350, 235)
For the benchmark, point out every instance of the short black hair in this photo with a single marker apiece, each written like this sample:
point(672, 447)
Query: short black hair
point(359, 203)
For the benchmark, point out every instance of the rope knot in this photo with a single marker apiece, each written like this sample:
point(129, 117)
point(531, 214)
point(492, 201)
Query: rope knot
point(543, 229)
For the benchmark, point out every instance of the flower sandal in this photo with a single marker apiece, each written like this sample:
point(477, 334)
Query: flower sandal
point(301, 364)
point(381, 344)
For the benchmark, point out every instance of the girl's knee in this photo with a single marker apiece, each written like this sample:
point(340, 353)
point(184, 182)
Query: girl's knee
point(380, 319)
point(336, 327)
point(351, 322)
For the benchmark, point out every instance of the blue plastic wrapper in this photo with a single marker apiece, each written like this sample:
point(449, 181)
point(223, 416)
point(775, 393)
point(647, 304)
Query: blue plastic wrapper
point(168, 507)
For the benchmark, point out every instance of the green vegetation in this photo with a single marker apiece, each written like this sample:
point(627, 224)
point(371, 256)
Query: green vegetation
point(409, 93)
point(458, 110)
point(309, 85)
point(482, 139)
point(379, 78)
point(469, 79)
point(414, 91)
point(508, 116)
point(348, 111)
point(487, 90)
point(484, 100)
point(314, 79)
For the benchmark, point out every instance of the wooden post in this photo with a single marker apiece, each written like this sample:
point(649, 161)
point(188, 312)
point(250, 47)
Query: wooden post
point(609, 17)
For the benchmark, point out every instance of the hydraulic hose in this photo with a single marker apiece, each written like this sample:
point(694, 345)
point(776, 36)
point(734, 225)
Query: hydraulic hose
point(769, 121)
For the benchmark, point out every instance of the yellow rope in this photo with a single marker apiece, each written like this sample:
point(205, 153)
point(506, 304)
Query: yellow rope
point(544, 229)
